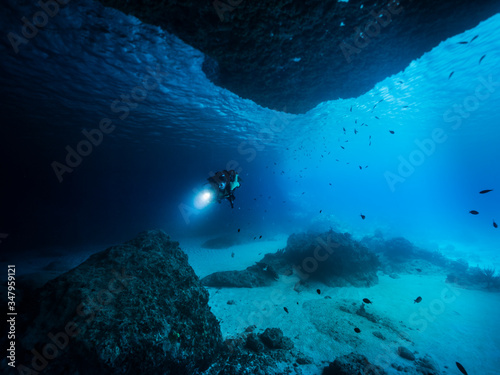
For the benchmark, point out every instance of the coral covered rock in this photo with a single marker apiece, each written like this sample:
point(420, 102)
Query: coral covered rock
point(353, 364)
point(133, 308)
point(333, 258)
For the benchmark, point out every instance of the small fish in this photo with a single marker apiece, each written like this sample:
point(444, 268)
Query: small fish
point(406, 106)
point(451, 75)
point(391, 131)
point(377, 117)
point(366, 300)
point(418, 300)
point(418, 269)
point(342, 147)
point(485, 191)
point(286, 310)
point(318, 291)
point(461, 368)
point(462, 42)
point(473, 212)
point(260, 237)
point(320, 211)
point(351, 108)
point(360, 167)
point(232, 255)
point(369, 144)
point(481, 59)
point(495, 225)
point(357, 330)
point(355, 131)
point(473, 39)
point(362, 216)
point(255, 238)
point(239, 230)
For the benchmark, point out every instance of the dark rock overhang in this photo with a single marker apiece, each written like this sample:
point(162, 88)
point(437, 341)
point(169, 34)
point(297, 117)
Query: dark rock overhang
point(291, 55)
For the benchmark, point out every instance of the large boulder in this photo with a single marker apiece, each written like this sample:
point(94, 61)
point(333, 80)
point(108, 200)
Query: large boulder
point(260, 274)
point(131, 309)
point(353, 364)
point(333, 258)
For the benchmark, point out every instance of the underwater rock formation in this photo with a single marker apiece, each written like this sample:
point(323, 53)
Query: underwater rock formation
point(254, 276)
point(333, 258)
point(353, 364)
point(267, 353)
point(292, 55)
point(474, 277)
point(406, 353)
point(132, 308)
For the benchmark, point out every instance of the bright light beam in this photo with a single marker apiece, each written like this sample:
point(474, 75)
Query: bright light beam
point(203, 199)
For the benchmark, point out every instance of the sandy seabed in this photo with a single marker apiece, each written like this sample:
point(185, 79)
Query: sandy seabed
point(450, 324)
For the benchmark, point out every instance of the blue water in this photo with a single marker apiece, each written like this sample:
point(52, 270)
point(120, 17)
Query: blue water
point(76, 71)
point(88, 68)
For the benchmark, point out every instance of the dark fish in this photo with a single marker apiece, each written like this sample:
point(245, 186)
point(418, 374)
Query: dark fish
point(377, 118)
point(232, 255)
point(406, 106)
point(485, 191)
point(355, 131)
point(342, 147)
point(418, 269)
point(391, 131)
point(369, 144)
point(357, 330)
point(286, 310)
point(330, 182)
point(473, 39)
point(418, 300)
point(362, 216)
point(461, 368)
point(463, 42)
point(481, 59)
point(260, 237)
point(239, 230)
point(318, 291)
point(360, 167)
point(366, 300)
point(255, 238)
point(473, 212)
point(495, 225)
point(320, 211)
point(451, 75)
point(351, 108)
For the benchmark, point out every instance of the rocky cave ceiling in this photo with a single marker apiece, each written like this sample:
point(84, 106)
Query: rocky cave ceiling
point(291, 55)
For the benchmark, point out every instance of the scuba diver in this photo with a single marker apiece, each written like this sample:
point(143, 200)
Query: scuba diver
point(223, 184)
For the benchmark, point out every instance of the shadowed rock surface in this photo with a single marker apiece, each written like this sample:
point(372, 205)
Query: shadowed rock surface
point(353, 364)
point(254, 276)
point(291, 55)
point(133, 308)
point(332, 258)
